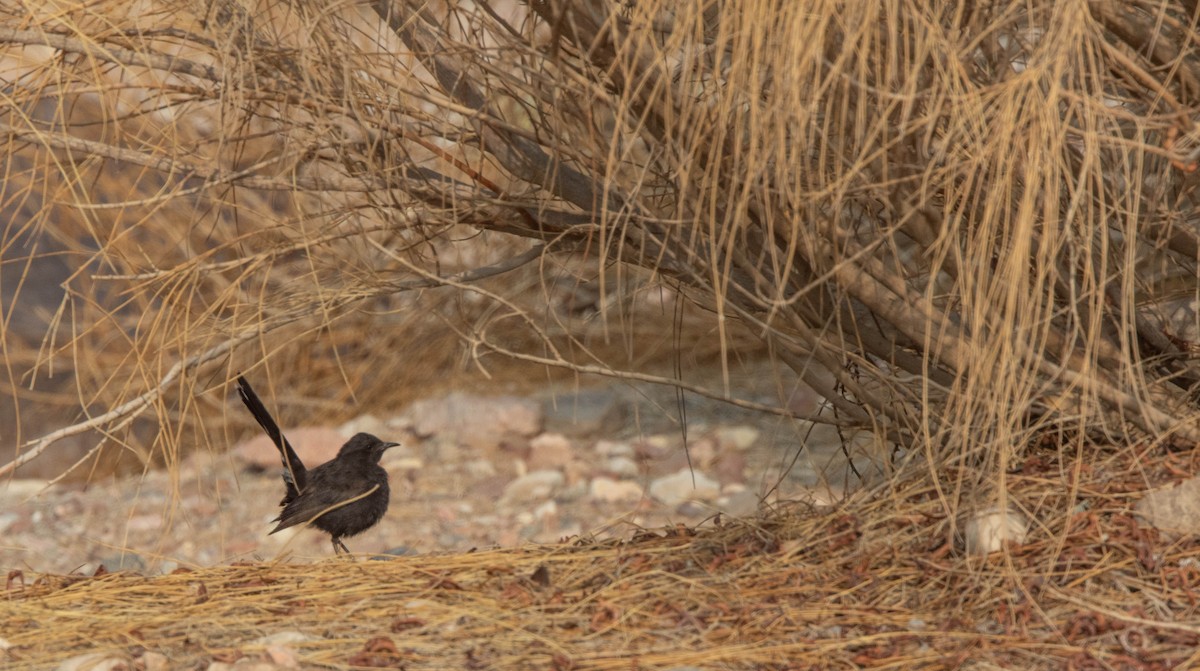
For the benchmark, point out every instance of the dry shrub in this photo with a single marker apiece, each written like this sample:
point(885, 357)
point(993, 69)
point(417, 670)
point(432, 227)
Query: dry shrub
point(961, 223)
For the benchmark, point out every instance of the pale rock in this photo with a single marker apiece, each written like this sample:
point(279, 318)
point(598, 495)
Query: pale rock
point(533, 486)
point(124, 561)
point(476, 421)
point(608, 490)
point(480, 468)
point(286, 637)
point(282, 656)
point(684, 485)
point(739, 437)
point(314, 446)
point(655, 447)
point(95, 661)
point(148, 522)
point(609, 448)
point(549, 451)
point(573, 492)
point(547, 510)
point(154, 661)
point(988, 530)
point(702, 452)
point(622, 467)
point(739, 504)
point(585, 412)
point(730, 468)
point(1174, 510)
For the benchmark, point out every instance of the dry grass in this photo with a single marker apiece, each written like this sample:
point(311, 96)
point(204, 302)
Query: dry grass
point(871, 584)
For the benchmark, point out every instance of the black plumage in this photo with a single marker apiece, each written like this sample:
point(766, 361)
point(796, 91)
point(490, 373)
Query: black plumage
point(343, 497)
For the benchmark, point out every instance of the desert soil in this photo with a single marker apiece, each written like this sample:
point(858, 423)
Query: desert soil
point(473, 471)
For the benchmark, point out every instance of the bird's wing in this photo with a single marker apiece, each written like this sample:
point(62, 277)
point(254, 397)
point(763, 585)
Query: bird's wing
point(314, 503)
point(294, 473)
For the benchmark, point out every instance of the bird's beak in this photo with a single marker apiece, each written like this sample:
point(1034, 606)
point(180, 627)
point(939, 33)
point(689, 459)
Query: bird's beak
point(390, 445)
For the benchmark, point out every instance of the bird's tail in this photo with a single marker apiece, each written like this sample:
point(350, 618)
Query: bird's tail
point(294, 473)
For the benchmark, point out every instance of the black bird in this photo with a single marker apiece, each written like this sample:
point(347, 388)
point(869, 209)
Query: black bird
point(343, 497)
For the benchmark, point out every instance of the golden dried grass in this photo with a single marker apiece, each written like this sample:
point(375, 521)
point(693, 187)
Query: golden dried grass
point(873, 583)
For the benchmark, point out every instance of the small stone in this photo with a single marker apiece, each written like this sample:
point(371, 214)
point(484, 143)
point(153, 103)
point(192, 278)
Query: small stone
point(154, 661)
point(608, 448)
point(534, 486)
point(586, 412)
point(286, 637)
point(988, 530)
point(480, 468)
point(622, 467)
point(126, 561)
point(573, 492)
point(548, 510)
point(693, 509)
point(1174, 510)
point(702, 452)
point(730, 468)
point(684, 485)
point(608, 490)
point(94, 661)
point(251, 664)
point(740, 438)
point(314, 445)
point(476, 421)
point(654, 447)
point(549, 451)
point(282, 656)
point(148, 522)
point(740, 504)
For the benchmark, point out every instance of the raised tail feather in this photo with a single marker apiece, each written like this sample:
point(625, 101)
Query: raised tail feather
point(294, 473)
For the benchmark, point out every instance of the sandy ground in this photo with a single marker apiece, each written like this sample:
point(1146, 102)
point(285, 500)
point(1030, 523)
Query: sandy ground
point(605, 463)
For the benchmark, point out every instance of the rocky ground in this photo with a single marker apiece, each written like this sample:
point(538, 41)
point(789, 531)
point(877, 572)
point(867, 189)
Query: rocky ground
point(474, 471)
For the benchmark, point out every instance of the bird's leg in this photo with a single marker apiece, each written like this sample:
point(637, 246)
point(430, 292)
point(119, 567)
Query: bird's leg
point(339, 547)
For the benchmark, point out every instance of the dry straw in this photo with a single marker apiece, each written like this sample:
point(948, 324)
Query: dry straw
point(875, 583)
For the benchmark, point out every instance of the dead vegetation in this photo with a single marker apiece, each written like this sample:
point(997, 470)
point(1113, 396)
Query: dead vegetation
point(957, 224)
point(871, 584)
